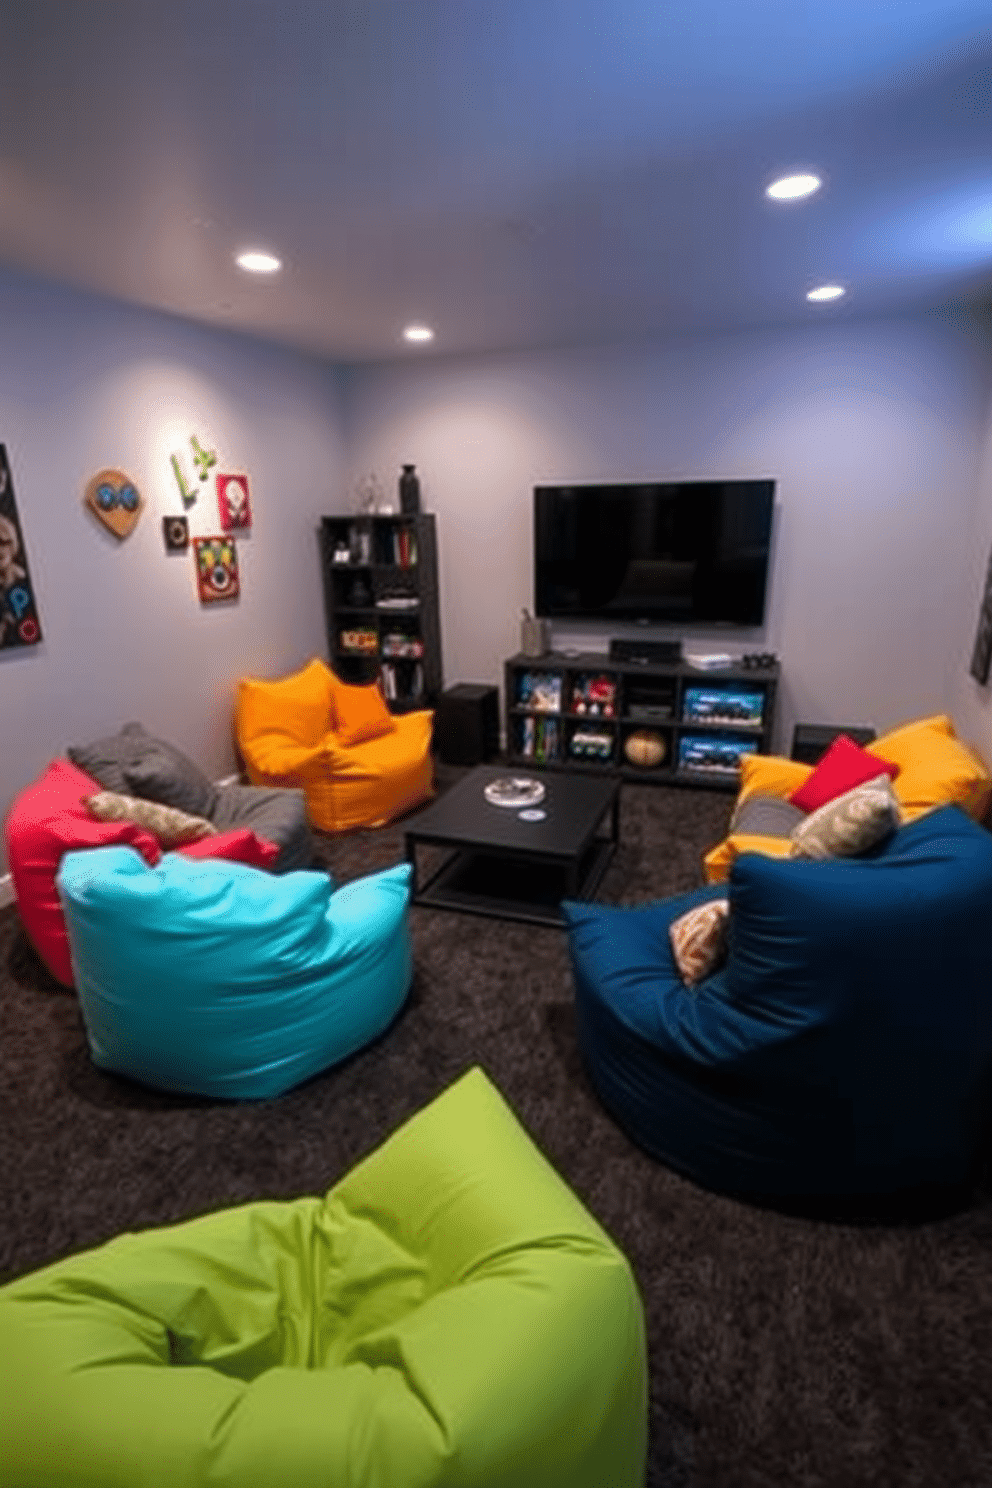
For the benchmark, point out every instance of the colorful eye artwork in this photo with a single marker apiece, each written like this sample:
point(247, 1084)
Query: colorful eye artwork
point(216, 568)
point(19, 624)
point(114, 500)
point(233, 502)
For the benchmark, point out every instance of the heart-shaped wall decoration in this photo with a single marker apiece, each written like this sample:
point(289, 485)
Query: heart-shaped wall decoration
point(114, 499)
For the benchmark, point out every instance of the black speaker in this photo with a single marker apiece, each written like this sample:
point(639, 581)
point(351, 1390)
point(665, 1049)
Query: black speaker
point(646, 652)
point(466, 724)
point(810, 741)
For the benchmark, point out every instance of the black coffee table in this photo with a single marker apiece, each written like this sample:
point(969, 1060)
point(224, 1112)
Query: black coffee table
point(510, 868)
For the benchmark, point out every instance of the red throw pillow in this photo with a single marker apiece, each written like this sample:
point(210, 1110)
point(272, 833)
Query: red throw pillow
point(844, 766)
point(239, 845)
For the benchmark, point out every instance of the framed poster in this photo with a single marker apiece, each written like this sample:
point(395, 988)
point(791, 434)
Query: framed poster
point(982, 653)
point(19, 623)
point(233, 501)
point(216, 568)
point(175, 531)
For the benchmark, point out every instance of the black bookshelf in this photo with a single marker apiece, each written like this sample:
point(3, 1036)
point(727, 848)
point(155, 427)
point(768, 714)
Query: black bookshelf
point(381, 604)
point(578, 712)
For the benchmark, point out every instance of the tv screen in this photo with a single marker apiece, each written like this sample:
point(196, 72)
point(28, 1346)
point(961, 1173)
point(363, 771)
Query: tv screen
point(684, 552)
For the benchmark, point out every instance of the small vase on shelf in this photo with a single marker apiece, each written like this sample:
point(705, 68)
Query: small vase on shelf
point(409, 491)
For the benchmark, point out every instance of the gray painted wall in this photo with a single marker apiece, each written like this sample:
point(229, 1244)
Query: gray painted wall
point(873, 431)
point(880, 436)
point(85, 384)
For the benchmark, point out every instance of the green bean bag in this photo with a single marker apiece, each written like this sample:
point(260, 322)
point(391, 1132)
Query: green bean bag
point(448, 1313)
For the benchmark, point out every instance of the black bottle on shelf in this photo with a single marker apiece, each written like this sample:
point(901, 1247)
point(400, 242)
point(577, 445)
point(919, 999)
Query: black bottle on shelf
point(409, 491)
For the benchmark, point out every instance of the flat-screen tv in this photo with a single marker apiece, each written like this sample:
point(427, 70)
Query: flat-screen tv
point(675, 552)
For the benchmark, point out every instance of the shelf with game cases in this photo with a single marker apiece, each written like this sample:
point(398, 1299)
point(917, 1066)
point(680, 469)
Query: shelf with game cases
point(381, 604)
point(657, 721)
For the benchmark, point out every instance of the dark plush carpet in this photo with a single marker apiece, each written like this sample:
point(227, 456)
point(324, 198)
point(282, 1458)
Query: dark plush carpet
point(783, 1350)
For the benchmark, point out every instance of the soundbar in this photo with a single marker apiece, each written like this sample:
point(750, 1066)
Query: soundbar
point(645, 652)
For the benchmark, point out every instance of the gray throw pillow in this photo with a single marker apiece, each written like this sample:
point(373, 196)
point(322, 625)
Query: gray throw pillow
point(766, 816)
point(135, 763)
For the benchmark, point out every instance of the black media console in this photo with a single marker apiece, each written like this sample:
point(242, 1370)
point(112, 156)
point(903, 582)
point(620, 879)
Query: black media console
point(639, 719)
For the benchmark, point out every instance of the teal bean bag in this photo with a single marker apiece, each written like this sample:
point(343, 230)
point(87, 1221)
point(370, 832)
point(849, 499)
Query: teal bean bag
point(448, 1313)
point(213, 978)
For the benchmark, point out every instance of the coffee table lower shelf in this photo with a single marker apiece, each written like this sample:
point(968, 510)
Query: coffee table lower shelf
point(508, 887)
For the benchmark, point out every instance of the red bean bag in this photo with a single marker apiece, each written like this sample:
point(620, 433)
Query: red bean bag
point(48, 819)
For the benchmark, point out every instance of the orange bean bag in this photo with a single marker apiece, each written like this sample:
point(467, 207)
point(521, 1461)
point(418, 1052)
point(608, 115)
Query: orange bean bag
point(357, 764)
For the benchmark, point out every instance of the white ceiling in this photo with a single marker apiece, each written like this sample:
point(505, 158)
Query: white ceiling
point(514, 172)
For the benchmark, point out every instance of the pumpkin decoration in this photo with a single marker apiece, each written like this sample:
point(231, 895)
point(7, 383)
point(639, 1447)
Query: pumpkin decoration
point(645, 748)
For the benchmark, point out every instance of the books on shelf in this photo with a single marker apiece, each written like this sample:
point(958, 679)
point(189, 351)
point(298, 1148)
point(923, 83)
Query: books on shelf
point(404, 547)
point(539, 738)
point(394, 688)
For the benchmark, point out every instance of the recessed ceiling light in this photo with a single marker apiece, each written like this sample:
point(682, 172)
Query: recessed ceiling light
point(418, 333)
point(793, 188)
point(826, 292)
point(258, 263)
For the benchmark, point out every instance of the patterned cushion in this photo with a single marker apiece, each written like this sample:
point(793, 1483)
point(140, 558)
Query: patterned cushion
point(168, 824)
point(850, 824)
point(699, 939)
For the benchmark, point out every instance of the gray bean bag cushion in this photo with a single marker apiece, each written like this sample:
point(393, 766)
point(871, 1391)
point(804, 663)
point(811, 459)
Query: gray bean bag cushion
point(136, 763)
point(275, 812)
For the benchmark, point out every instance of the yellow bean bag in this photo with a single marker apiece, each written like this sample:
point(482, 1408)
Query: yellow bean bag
point(936, 768)
point(357, 764)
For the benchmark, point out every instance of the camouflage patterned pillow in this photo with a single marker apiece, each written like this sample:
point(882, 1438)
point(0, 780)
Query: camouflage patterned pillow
point(168, 824)
point(699, 939)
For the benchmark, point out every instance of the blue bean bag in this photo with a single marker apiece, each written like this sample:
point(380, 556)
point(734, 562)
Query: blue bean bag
point(213, 978)
point(844, 1048)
